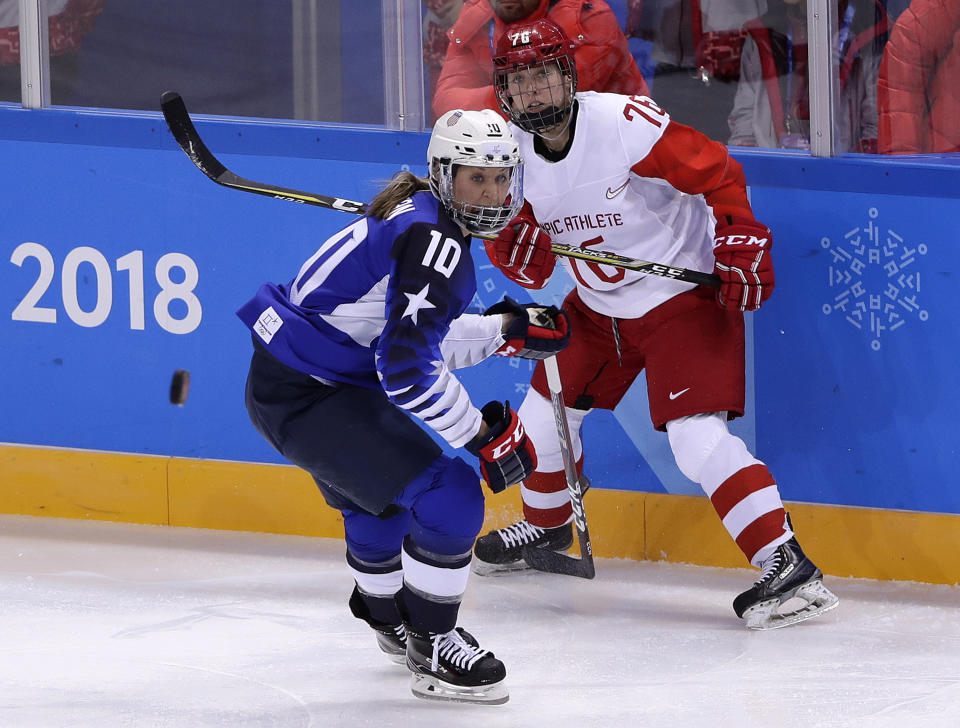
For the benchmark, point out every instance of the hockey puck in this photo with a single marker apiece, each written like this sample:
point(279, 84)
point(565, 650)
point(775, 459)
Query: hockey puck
point(180, 387)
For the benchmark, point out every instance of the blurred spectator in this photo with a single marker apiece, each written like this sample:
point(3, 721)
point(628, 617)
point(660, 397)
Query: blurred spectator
point(895, 7)
point(441, 15)
point(696, 47)
point(69, 22)
point(603, 59)
point(919, 80)
point(772, 105)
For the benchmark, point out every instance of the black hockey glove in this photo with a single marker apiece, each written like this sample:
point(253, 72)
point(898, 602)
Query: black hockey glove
point(535, 332)
point(506, 453)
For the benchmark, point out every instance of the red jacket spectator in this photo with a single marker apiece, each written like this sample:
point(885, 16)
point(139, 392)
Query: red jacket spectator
point(67, 28)
point(917, 90)
point(603, 58)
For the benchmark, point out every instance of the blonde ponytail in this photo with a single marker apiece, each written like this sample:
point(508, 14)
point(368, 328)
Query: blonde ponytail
point(399, 188)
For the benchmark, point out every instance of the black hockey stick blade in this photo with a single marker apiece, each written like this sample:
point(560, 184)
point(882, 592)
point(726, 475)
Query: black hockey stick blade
point(181, 126)
point(553, 562)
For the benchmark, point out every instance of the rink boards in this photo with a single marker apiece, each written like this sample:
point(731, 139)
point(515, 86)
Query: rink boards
point(122, 263)
point(861, 542)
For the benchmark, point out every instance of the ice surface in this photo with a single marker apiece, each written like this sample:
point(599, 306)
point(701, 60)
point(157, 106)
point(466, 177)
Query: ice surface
point(112, 625)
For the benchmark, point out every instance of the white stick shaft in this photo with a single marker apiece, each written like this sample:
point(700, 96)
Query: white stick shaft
point(553, 374)
point(566, 443)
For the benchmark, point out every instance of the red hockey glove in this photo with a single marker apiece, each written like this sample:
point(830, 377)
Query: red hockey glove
point(506, 453)
point(522, 251)
point(742, 249)
point(534, 331)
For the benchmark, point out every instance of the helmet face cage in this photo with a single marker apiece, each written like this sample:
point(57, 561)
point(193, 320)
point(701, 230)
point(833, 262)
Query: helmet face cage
point(481, 219)
point(559, 91)
point(536, 56)
point(475, 139)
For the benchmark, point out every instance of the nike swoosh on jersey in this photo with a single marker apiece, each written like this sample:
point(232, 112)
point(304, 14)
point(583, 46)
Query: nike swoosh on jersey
point(674, 395)
point(613, 193)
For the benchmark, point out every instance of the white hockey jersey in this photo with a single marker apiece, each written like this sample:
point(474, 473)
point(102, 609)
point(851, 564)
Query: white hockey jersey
point(594, 198)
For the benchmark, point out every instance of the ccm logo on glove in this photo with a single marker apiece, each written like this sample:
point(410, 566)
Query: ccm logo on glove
point(515, 438)
point(741, 240)
point(505, 452)
point(743, 263)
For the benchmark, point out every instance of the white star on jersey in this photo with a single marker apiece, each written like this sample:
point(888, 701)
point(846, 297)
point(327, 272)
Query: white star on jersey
point(416, 302)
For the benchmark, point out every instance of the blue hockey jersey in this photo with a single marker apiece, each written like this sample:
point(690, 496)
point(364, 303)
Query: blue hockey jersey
point(382, 303)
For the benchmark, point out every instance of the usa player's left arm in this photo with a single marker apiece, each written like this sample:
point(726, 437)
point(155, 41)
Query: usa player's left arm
point(431, 284)
point(472, 338)
point(689, 160)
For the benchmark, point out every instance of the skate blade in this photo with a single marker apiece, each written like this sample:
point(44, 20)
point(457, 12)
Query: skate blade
point(431, 688)
point(818, 600)
point(396, 658)
point(392, 651)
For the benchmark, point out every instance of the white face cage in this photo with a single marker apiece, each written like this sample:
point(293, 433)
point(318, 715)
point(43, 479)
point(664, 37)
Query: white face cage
point(476, 139)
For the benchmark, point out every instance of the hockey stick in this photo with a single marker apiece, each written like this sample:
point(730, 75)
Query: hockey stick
point(543, 559)
point(183, 130)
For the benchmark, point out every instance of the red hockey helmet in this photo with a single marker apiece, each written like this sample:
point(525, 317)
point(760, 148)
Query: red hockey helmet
point(535, 75)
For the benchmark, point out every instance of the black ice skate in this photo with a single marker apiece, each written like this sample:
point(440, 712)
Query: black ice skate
point(502, 550)
point(392, 639)
point(452, 666)
point(790, 580)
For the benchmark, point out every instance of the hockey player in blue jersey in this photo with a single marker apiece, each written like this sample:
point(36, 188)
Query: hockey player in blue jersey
point(359, 346)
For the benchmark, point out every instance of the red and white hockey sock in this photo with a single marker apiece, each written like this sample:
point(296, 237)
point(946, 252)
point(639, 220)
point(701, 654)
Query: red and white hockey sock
point(748, 502)
point(546, 501)
point(741, 488)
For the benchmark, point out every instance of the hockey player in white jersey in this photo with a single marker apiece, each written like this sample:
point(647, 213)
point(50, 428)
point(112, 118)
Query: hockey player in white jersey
point(615, 173)
point(358, 347)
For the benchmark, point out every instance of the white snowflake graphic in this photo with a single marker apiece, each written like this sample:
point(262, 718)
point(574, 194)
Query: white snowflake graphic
point(875, 278)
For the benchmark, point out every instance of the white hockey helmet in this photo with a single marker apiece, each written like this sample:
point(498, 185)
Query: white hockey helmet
point(476, 139)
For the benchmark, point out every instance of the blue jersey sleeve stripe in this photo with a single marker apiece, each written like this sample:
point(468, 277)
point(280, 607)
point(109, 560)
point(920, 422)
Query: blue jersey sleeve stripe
point(447, 399)
point(424, 391)
point(452, 414)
